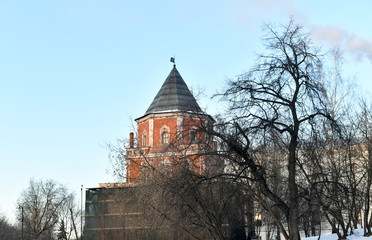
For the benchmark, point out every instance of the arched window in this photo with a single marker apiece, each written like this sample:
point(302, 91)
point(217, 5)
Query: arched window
point(164, 135)
point(144, 139)
point(165, 138)
point(192, 135)
point(145, 171)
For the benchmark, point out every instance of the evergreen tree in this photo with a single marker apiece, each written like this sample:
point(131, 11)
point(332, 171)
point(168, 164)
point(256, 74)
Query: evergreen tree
point(62, 235)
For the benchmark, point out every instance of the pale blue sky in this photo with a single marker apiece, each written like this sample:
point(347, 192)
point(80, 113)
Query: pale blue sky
point(73, 73)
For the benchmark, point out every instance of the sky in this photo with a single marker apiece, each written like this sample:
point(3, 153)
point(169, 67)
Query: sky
point(74, 74)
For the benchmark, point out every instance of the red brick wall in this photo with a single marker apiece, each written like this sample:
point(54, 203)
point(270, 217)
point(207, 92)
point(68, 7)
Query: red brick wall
point(169, 120)
point(140, 129)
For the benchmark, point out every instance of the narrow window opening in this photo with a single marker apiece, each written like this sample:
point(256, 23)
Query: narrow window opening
point(193, 136)
point(144, 139)
point(165, 138)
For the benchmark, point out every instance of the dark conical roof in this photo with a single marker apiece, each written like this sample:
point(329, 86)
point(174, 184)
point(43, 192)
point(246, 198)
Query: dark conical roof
point(174, 95)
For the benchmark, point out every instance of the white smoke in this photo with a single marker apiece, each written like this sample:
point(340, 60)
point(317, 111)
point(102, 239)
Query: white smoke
point(357, 46)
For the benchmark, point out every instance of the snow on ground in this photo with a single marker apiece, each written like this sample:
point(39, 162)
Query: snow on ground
point(357, 235)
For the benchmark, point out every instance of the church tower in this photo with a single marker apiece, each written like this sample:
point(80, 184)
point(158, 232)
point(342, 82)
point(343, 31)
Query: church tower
point(170, 125)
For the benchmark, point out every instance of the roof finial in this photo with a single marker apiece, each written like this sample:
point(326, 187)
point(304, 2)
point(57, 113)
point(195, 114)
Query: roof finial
point(173, 60)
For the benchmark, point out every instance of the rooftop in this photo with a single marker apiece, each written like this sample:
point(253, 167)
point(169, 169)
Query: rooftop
point(174, 95)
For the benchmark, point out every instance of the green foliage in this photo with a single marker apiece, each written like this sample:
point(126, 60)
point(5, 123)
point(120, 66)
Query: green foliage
point(62, 235)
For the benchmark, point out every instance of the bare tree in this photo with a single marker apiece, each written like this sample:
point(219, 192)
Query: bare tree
point(7, 230)
point(338, 88)
point(329, 153)
point(43, 204)
point(195, 204)
point(363, 124)
point(70, 215)
point(333, 178)
point(279, 96)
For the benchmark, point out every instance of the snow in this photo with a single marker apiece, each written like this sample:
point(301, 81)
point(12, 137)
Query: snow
point(357, 235)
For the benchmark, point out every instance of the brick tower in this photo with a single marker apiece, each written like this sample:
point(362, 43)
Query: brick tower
point(168, 129)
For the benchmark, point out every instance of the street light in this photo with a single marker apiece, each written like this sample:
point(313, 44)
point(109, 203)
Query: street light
point(258, 222)
point(22, 219)
point(81, 213)
point(258, 219)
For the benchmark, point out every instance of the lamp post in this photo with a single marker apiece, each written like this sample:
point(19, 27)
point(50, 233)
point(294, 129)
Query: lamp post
point(258, 222)
point(22, 220)
point(81, 212)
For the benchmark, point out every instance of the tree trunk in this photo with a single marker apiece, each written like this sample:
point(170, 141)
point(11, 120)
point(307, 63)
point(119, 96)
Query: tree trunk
point(73, 223)
point(293, 203)
point(292, 187)
point(367, 222)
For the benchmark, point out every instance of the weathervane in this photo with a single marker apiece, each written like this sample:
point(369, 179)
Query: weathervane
point(173, 60)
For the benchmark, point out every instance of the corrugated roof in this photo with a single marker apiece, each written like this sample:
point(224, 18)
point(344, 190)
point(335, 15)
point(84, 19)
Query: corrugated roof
point(174, 95)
